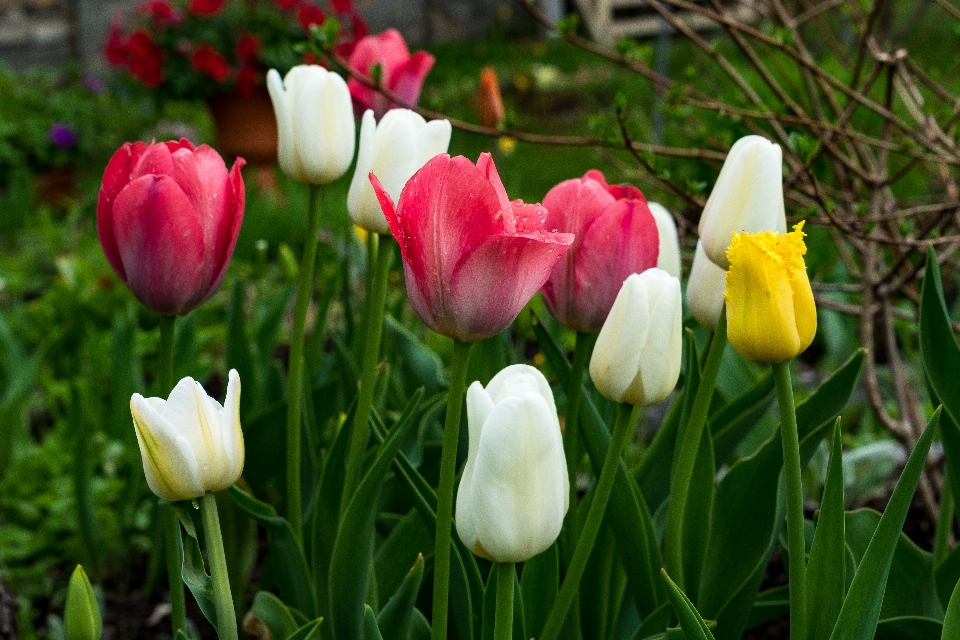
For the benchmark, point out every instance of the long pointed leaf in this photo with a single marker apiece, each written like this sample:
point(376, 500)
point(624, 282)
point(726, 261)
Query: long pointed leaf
point(690, 620)
point(826, 569)
point(395, 617)
point(861, 608)
point(353, 548)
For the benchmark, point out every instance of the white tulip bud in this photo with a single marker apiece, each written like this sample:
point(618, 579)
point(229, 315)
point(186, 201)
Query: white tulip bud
point(637, 356)
point(748, 196)
point(705, 290)
point(392, 150)
point(514, 490)
point(189, 443)
point(669, 257)
point(315, 123)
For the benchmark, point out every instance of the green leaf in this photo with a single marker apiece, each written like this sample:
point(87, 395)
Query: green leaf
point(938, 345)
point(309, 631)
point(466, 584)
point(238, 355)
point(269, 612)
point(826, 568)
point(370, 629)
point(654, 623)
point(195, 576)
point(690, 620)
point(539, 584)
point(770, 604)
point(951, 621)
point(353, 548)
point(747, 512)
point(947, 575)
point(420, 627)
point(408, 539)
point(734, 422)
point(423, 364)
point(296, 587)
point(910, 588)
point(861, 608)
point(911, 628)
point(627, 511)
point(396, 615)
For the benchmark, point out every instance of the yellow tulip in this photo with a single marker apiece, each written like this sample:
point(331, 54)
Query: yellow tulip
point(771, 315)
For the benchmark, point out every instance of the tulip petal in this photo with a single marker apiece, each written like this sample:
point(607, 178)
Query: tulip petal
point(160, 242)
point(489, 171)
point(617, 353)
point(115, 177)
point(519, 480)
point(622, 240)
point(432, 139)
point(705, 289)
point(668, 258)
point(286, 142)
point(493, 267)
point(406, 81)
point(169, 461)
point(663, 349)
point(324, 128)
point(360, 187)
point(228, 231)
point(761, 323)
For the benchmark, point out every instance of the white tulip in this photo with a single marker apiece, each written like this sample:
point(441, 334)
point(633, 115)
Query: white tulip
point(514, 490)
point(637, 355)
point(705, 290)
point(315, 123)
point(669, 257)
point(189, 443)
point(392, 150)
point(748, 196)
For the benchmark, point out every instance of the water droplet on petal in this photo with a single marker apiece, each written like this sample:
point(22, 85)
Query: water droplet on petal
point(196, 505)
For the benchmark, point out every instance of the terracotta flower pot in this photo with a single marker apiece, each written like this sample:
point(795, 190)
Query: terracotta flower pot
point(245, 126)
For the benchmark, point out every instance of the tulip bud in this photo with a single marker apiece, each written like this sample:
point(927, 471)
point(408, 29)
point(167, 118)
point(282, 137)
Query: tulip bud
point(82, 613)
point(392, 150)
point(489, 99)
point(401, 73)
point(514, 490)
point(668, 257)
point(614, 235)
point(748, 196)
point(637, 355)
point(705, 290)
point(168, 217)
point(189, 443)
point(314, 122)
point(472, 259)
point(771, 315)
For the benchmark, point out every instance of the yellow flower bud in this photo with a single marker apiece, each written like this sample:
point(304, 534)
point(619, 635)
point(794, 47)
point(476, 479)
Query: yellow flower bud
point(771, 315)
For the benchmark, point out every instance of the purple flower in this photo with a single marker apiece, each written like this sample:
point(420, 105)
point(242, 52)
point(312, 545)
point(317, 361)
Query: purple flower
point(94, 84)
point(63, 135)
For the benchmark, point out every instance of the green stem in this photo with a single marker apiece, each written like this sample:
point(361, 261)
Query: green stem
point(222, 598)
point(379, 268)
point(448, 464)
point(791, 471)
point(626, 419)
point(503, 619)
point(687, 454)
point(171, 527)
point(295, 375)
point(571, 444)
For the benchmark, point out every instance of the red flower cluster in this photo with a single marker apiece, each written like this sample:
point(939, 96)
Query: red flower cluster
point(206, 7)
point(162, 13)
point(208, 60)
point(139, 53)
point(309, 14)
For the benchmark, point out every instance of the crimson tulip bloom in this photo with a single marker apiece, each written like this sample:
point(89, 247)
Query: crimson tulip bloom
point(400, 73)
point(471, 258)
point(168, 216)
point(616, 235)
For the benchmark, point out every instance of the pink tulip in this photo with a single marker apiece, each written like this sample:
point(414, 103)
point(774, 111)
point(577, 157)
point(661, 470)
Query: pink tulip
point(616, 235)
point(400, 72)
point(168, 216)
point(472, 259)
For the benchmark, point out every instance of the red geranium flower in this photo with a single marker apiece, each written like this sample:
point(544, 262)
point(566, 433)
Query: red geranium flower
point(145, 58)
point(342, 6)
point(208, 60)
point(248, 47)
point(247, 79)
point(116, 50)
point(309, 14)
point(162, 12)
point(206, 7)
